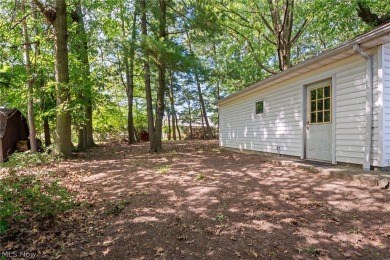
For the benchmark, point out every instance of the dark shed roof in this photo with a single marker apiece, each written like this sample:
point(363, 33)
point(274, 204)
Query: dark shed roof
point(13, 128)
point(5, 113)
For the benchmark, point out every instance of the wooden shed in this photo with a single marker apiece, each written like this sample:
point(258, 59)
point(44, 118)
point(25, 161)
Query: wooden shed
point(334, 107)
point(13, 127)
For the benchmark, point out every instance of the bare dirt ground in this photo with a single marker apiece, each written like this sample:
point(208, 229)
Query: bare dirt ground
point(196, 201)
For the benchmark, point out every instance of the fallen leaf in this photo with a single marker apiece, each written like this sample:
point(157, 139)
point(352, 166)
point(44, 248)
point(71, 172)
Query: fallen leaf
point(87, 253)
point(252, 252)
point(159, 251)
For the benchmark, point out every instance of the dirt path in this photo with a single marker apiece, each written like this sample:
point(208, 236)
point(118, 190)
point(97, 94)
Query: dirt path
point(196, 201)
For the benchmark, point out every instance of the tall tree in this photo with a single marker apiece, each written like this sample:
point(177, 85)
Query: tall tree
point(85, 135)
point(128, 58)
point(30, 84)
point(276, 16)
point(57, 16)
point(161, 67)
point(207, 130)
point(148, 89)
point(172, 108)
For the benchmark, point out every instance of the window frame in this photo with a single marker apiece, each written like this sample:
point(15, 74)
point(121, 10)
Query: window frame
point(256, 102)
point(323, 110)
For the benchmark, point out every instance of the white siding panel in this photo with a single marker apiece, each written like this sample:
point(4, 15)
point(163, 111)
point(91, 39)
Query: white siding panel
point(281, 124)
point(351, 115)
point(386, 103)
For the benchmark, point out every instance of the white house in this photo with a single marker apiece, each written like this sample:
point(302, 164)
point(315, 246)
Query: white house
point(334, 107)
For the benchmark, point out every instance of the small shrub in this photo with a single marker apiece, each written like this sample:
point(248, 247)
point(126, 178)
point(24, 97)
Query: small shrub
point(118, 207)
point(200, 176)
point(309, 169)
point(311, 250)
point(22, 196)
point(28, 159)
point(353, 231)
point(164, 169)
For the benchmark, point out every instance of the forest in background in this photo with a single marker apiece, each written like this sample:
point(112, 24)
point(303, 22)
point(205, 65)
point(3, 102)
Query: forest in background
point(94, 70)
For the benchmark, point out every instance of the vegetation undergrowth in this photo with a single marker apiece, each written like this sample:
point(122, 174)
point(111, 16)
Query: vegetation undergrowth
point(30, 195)
point(28, 159)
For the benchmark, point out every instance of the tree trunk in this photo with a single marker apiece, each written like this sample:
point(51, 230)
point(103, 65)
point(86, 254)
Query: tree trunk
point(81, 145)
point(89, 141)
point(203, 127)
point(177, 127)
point(129, 71)
point(282, 27)
point(203, 109)
point(40, 83)
point(161, 67)
point(368, 17)
point(171, 98)
point(148, 91)
point(200, 95)
point(85, 135)
point(30, 86)
point(190, 117)
point(169, 125)
point(63, 122)
point(46, 130)
point(58, 17)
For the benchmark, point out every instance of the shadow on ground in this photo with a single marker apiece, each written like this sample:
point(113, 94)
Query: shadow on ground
point(196, 201)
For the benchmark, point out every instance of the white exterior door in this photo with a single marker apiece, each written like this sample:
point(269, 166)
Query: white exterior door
point(319, 122)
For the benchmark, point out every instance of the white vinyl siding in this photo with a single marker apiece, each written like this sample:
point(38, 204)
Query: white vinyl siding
point(351, 113)
point(281, 123)
point(385, 73)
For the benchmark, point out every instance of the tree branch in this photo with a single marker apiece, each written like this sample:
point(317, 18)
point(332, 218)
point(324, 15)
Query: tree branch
point(265, 21)
point(48, 11)
point(368, 17)
point(237, 14)
point(299, 32)
point(21, 20)
point(259, 63)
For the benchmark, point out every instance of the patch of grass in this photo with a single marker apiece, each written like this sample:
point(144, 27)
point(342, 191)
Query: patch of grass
point(353, 231)
point(163, 169)
point(310, 250)
point(28, 159)
point(200, 176)
point(28, 196)
point(221, 219)
point(310, 169)
point(117, 208)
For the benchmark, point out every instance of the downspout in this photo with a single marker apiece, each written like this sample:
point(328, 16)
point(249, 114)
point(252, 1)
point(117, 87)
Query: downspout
point(369, 103)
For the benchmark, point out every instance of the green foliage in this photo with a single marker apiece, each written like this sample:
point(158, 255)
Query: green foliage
point(117, 208)
point(26, 196)
point(353, 230)
point(163, 169)
point(311, 250)
point(229, 39)
point(200, 176)
point(28, 159)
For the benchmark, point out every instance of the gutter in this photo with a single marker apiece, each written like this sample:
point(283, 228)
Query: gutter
point(369, 103)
